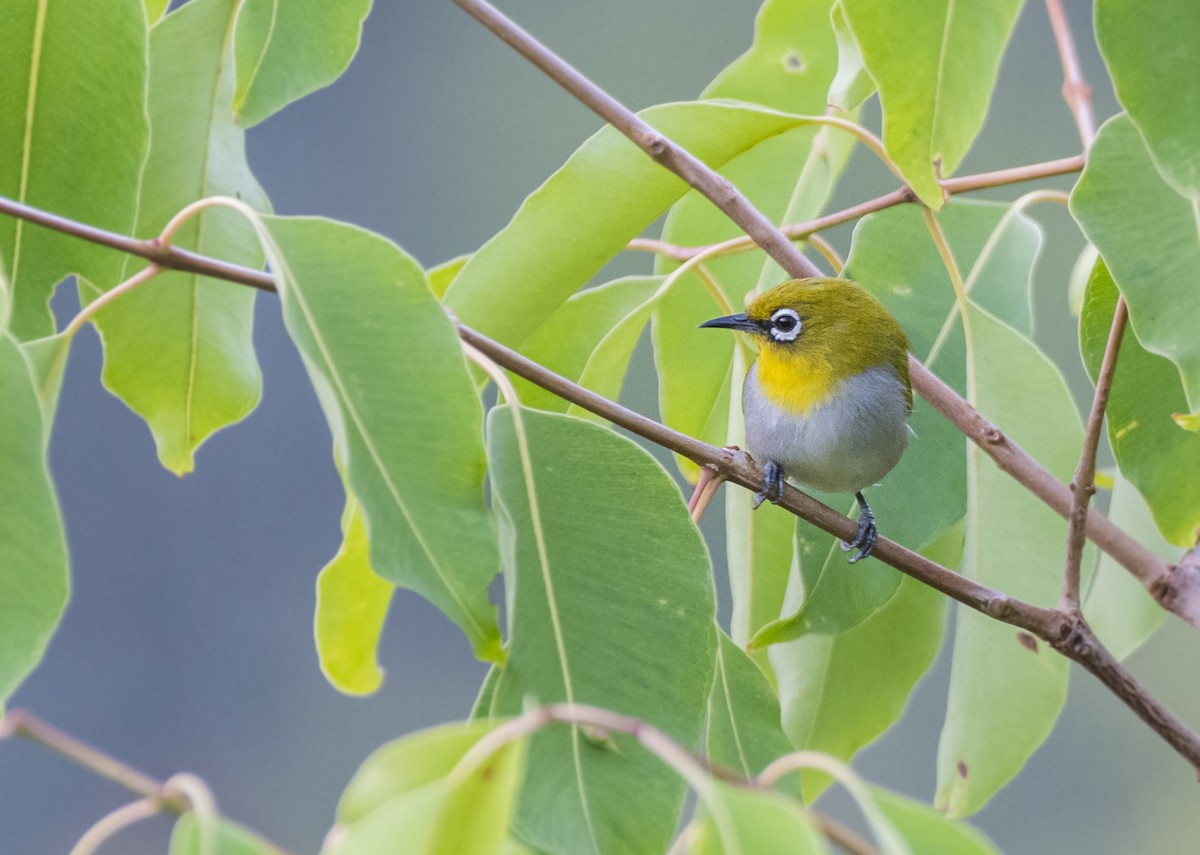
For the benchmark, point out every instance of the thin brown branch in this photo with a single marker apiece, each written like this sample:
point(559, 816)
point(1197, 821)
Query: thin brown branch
point(1070, 636)
point(169, 796)
point(1075, 90)
point(841, 836)
point(1177, 593)
point(1083, 484)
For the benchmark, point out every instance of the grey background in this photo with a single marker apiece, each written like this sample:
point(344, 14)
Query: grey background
point(187, 644)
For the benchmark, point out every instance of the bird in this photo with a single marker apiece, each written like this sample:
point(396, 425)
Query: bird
point(827, 401)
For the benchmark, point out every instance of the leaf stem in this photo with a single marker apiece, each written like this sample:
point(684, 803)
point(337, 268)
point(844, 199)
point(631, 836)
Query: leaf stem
point(111, 824)
point(1075, 89)
point(89, 311)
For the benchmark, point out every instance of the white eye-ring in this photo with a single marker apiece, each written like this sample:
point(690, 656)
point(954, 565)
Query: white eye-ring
point(785, 325)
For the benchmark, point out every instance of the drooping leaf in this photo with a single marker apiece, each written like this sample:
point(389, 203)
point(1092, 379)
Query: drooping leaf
point(406, 421)
point(178, 349)
point(352, 603)
point(744, 821)
point(895, 259)
point(407, 764)
point(823, 678)
point(286, 49)
point(928, 831)
point(567, 341)
point(744, 733)
point(1118, 607)
point(1153, 54)
point(852, 84)
point(1149, 237)
point(603, 565)
point(33, 550)
point(72, 94)
point(935, 63)
point(560, 237)
point(1006, 687)
point(231, 839)
point(1155, 453)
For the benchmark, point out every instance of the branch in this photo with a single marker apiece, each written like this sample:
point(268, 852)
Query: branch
point(1177, 591)
point(1075, 90)
point(179, 795)
point(1083, 484)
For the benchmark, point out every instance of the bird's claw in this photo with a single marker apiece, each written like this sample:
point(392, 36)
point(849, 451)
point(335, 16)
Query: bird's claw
point(865, 537)
point(772, 485)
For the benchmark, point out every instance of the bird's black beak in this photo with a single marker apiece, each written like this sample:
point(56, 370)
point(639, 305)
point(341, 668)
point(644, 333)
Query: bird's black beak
point(733, 322)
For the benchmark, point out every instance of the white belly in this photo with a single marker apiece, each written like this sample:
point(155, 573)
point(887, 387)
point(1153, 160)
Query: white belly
point(846, 444)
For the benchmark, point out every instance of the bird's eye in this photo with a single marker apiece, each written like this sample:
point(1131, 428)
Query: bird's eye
point(785, 325)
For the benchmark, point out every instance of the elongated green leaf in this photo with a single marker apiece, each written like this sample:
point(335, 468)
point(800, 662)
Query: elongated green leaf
point(352, 603)
point(443, 274)
point(742, 821)
point(1158, 456)
point(1118, 607)
point(894, 258)
point(568, 339)
point(928, 831)
point(33, 550)
point(603, 565)
point(852, 84)
point(407, 764)
point(155, 9)
point(744, 733)
point(560, 237)
point(1007, 688)
point(231, 839)
point(1149, 236)
point(178, 350)
point(72, 94)
point(406, 421)
point(1153, 53)
point(47, 359)
point(288, 48)
point(935, 63)
point(823, 678)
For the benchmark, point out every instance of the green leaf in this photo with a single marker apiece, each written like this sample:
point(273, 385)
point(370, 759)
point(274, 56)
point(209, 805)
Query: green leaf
point(743, 714)
point(935, 63)
point(744, 821)
point(790, 60)
point(155, 9)
point(407, 764)
point(1006, 687)
point(47, 359)
point(391, 378)
point(895, 259)
point(286, 49)
point(232, 839)
point(1149, 236)
point(72, 94)
point(561, 237)
point(443, 274)
point(928, 831)
point(1118, 607)
point(1152, 451)
point(1153, 54)
point(178, 349)
point(852, 84)
point(823, 678)
point(568, 340)
point(581, 599)
point(352, 603)
point(33, 552)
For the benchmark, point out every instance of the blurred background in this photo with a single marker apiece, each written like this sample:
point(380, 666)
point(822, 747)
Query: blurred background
point(188, 641)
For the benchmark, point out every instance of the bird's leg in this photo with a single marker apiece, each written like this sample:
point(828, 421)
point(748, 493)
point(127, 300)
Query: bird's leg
point(772, 484)
point(864, 539)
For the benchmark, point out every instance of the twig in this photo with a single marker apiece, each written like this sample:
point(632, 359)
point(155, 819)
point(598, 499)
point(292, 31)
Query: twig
point(1072, 637)
point(1083, 484)
point(112, 823)
point(1176, 591)
point(180, 794)
point(842, 836)
point(1075, 90)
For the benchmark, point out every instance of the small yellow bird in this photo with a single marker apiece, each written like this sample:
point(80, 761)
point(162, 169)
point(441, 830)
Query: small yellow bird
point(828, 399)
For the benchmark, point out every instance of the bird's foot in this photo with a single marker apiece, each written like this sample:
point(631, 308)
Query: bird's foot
point(867, 534)
point(772, 485)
